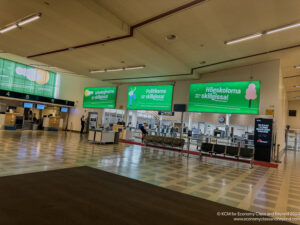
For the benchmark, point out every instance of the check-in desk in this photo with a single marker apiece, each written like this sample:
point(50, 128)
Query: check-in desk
point(121, 129)
point(101, 136)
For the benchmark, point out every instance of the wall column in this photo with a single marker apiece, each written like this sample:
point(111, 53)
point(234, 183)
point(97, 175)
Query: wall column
point(190, 124)
point(134, 118)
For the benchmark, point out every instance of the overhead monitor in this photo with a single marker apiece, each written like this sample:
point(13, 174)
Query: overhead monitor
point(100, 97)
point(226, 97)
point(40, 106)
point(64, 109)
point(28, 105)
point(156, 97)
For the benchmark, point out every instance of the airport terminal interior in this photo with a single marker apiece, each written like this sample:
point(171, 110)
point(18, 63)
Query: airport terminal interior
point(162, 112)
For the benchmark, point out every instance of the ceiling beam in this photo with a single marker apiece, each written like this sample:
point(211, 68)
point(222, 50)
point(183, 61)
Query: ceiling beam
point(131, 30)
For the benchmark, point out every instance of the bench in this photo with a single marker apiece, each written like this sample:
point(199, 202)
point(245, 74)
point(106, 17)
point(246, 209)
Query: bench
point(165, 141)
point(228, 152)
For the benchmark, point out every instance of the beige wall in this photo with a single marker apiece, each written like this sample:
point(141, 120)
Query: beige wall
point(71, 88)
point(267, 73)
point(272, 93)
point(294, 121)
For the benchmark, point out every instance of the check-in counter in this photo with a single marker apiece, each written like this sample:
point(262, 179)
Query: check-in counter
point(101, 136)
point(121, 129)
point(91, 137)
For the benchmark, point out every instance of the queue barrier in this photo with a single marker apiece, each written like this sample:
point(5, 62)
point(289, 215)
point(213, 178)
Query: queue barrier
point(228, 152)
point(165, 141)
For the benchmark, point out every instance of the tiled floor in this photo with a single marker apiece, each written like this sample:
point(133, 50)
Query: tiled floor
point(258, 189)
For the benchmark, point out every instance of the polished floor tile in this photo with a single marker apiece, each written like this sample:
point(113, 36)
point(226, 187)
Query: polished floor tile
point(259, 189)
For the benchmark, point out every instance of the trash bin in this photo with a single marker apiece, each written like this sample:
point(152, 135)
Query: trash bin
point(117, 137)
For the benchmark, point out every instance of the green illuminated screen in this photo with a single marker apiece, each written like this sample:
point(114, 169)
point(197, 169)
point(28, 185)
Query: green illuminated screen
point(227, 97)
point(26, 79)
point(100, 97)
point(157, 97)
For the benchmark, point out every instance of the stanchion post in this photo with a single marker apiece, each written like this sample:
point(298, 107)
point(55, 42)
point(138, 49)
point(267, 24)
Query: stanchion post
point(188, 147)
point(277, 154)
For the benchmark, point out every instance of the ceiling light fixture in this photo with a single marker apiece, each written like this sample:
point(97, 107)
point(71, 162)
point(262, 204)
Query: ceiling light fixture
point(29, 19)
point(297, 97)
point(5, 29)
point(43, 66)
point(283, 28)
point(118, 69)
point(97, 71)
point(20, 23)
point(244, 38)
point(297, 86)
point(297, 67)
point(114, 69)
point(134, 67)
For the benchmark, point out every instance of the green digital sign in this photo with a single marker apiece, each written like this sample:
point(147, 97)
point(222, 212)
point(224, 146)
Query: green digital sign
point(100, 97)
point(26, 79)
point(227, 97)
point(157, 97)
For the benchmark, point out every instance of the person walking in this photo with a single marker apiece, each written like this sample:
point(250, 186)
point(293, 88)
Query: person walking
point(82, 124)
point(144, 132)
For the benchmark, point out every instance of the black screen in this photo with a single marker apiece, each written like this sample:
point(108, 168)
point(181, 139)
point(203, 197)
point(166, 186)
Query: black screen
point(292, 112)
point(179, 107)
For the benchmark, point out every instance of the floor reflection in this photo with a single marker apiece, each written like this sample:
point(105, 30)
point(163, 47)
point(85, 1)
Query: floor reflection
point(259, 189)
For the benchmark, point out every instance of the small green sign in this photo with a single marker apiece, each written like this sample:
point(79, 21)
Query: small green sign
point(100, 97)
point(227, 97)
point(26, 79)
point(157, 97)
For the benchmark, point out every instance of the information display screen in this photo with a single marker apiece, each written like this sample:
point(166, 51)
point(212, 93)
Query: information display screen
point(100, 97)
point(227, 97)
point(157, 97)
point(40, 106)
point(263, 139)
point(28, 105)
point(64, 109)
point(263, 132)
point(26, 79)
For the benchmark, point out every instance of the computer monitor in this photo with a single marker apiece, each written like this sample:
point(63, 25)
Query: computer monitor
point(40, 106)
point(28, 105)
point(64, 109)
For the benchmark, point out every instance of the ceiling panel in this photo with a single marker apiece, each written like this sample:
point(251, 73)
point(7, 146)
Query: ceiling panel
point(63, 24)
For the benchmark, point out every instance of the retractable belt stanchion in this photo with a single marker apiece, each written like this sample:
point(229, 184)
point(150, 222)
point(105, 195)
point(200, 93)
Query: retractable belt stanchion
point(277, 154)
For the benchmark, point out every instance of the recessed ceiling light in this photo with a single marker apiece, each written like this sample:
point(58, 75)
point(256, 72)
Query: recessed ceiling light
point(29, 19)
point(297, 86)
point(297, 67)
point(42, 66)
point(97, 71)
point(114, 69)
point(20, 23)
point(170, 37)
point(283, 28)
point(117, 69)
point(134, 67)
point(243, 39)
point(5, 29)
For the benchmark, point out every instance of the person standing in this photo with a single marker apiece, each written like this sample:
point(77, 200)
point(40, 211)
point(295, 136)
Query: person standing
point(144, 132)
point(82, 124)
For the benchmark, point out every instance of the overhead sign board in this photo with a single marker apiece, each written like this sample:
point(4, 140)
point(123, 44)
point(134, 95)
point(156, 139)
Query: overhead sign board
point(100, 97)
point(226, 97)
point(156, 97)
